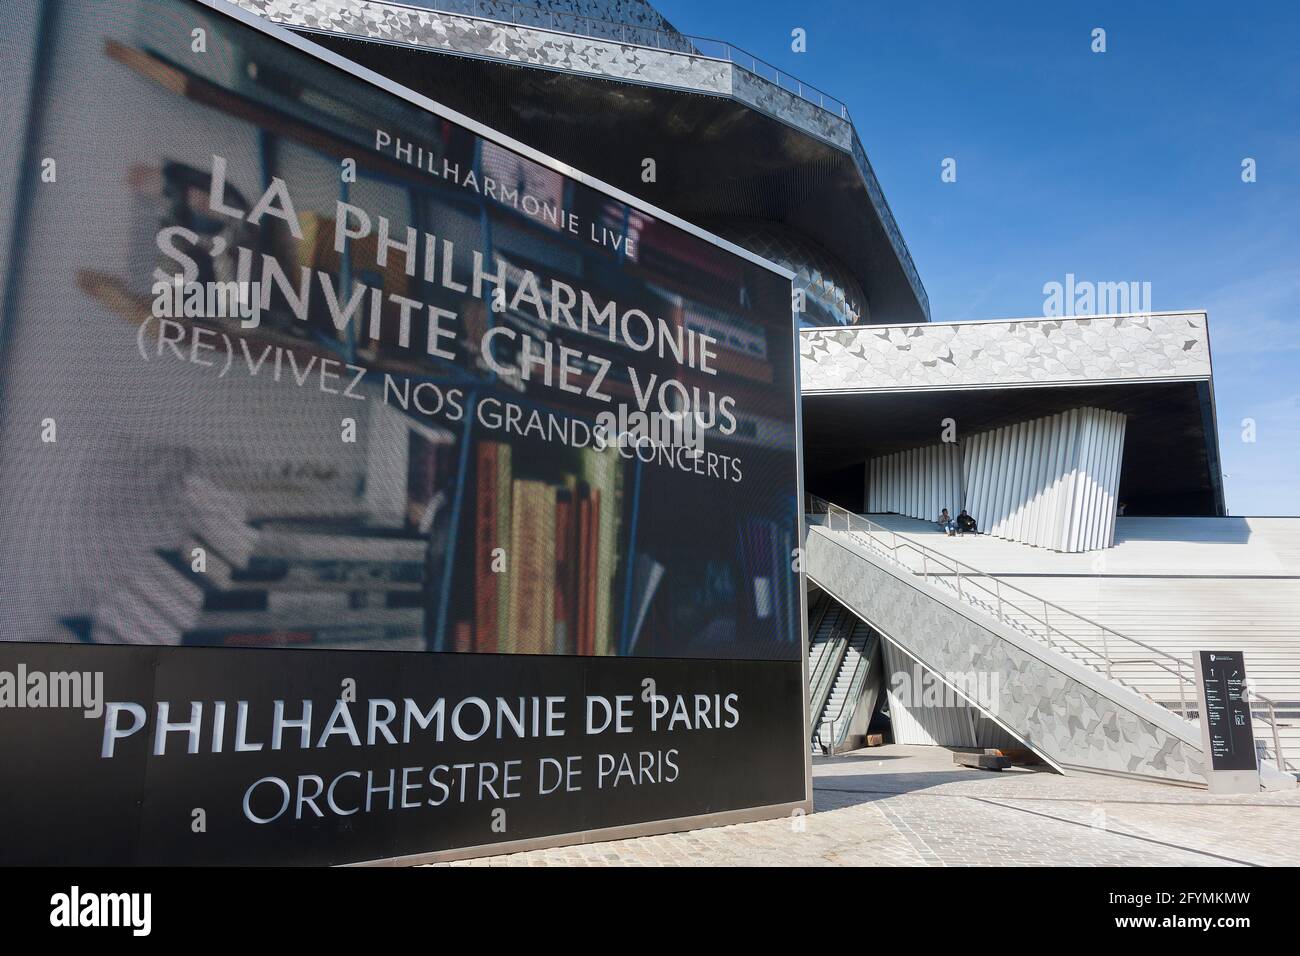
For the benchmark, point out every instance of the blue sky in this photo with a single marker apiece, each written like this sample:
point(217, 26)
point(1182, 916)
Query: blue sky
point(1115, 166)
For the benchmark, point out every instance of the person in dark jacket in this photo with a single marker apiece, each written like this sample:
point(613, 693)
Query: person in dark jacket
point(966, 524)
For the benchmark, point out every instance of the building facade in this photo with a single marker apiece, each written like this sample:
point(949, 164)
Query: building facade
point(1093, 559)
point(1057, 434)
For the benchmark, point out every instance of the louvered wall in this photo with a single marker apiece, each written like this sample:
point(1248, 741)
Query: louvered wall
point(1051, 482)
point(919, 482)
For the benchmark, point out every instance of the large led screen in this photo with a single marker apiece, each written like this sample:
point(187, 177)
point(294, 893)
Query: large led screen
point(297, 367)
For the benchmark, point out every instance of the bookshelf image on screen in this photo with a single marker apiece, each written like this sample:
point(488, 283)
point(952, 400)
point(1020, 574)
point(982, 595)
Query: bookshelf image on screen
point(302, 409)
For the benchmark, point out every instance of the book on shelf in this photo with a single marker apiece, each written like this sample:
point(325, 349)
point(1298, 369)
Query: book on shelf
point(401, 486)
point(128, 617)
point(668, 254)
point(739, 346)
point(322, 551)
point(488, 537)
point(764, 431)
point(554, 592)
point(532, 580)
point(165, 600)
point(588, 509)
point(567, 569)
point(602, 472)
point(341, 637)
point(275, 489)
point(147, 611)
point(729, 331)
point(220, 517)
point(305, 574)
point(169, 572)
point(462, 637)
point(306, 539)
point(493, 553)
point(504, 521)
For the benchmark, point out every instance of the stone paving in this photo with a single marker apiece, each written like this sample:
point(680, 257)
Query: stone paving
point(909, 806)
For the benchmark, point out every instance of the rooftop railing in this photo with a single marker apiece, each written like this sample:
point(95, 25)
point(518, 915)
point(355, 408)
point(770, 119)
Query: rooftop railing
point(527, 14)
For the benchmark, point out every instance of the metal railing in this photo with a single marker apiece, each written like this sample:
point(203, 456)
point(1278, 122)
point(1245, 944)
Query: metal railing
point(524, 14)
point(1019, 609)
point(838, 724)
point(831, 654)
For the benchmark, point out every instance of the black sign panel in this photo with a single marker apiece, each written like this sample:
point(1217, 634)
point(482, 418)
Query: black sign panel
point(268, 756)
point(324, 407)
point(1227, 710)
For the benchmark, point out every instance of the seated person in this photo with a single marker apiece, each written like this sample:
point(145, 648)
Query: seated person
point(946, 524)
point(966, 524)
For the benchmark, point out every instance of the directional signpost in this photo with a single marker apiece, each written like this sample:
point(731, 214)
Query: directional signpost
point(1227, 737)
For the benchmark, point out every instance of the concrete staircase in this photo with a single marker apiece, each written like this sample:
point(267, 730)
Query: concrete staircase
point(1053, 689)
point(1176, 585)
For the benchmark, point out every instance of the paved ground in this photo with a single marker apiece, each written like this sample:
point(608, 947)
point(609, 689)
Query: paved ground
point(908, 806)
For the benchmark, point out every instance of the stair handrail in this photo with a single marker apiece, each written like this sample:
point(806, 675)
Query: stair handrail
point(822, 678)
point(856, 680)
point(817, 505)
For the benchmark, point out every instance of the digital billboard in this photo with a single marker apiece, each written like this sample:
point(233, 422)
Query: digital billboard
point(371, 485)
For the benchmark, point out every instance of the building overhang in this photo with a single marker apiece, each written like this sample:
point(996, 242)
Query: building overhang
point(1007, 353)
point(727, 143)
point(874, 391)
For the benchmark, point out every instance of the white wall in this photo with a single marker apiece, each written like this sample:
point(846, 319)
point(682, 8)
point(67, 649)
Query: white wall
point(1051, 482)
point(919, 482)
